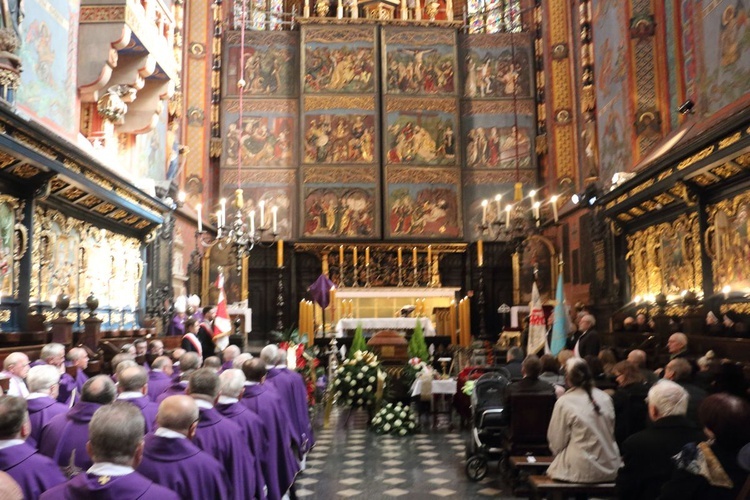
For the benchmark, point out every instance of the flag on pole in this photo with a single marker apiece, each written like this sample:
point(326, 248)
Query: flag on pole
point(537, 331)
point(222, 323)
point(561, 326)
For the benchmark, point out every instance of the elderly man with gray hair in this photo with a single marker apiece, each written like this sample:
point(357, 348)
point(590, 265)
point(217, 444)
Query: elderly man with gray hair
point(132, 386)
point(586, 340)
point(52, 354)
point(116, 448)
point(43, 382)
point(16, 367)
point(647, 454)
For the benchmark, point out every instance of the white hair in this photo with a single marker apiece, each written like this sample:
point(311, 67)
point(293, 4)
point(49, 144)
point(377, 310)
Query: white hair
point(12, 359)
point(233, 349)
point(76, 353)
point(51, 350)
point(270, 354)
point(232, 383)
point(42, 377)
point(240, 360)
point(194, 301)
point(180, 304)
point(590, 318)
point(669, 398)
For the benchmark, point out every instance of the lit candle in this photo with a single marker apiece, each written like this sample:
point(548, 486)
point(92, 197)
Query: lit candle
point(302, 318)
point(354, 259)
point(508, 208)
point(484, 212)
point(262, 221)
point(367, 256)
point(218, 222)
point(536, 209)
point(532, 194)
point(275, 211)
point(480, 253)
point(332, 302)
point(280, 254)
point(429, 254)
point(400, 260)
point(198, 209)
point(553, 201)
point(251, 216)
point(498, 197)
point(414, 256)
point(452, 322)
point(223, 203)
point(341, 255)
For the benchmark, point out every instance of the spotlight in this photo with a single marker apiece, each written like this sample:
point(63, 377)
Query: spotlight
point(592, 200)
point(686, 108)
point(575, 199)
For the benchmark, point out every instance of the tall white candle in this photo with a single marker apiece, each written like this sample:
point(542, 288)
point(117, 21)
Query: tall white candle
point(262, 221)
point(508, 208)
point(274, 211)
point(484, 211)
point(223, 203)
point(251, 216)
point(218, 221)
point(498, 197)
point(553, 200)
point(536, 209)
point(198, 208)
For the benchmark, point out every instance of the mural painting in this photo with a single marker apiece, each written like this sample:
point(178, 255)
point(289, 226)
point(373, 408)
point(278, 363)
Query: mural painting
point(270, 63)
point(339, 60)
point(48, 57)
point(495, 137)
point(496, 66)
point(424, 202)
point(482, 185)
point(267, 138)
point(340, 201)
point(421, 131)
point(339, 130)
point(420, 62)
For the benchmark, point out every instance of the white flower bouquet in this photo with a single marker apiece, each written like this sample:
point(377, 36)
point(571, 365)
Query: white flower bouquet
point(394, 418)
point(356, 383)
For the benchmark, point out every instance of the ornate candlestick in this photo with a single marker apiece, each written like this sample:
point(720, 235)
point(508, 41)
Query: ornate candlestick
point(481, 304)
point(416, 275)
point(280, 301)
point(355, 276)
point(367, 275)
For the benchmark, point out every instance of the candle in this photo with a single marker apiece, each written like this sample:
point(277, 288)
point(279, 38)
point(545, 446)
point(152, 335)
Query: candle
point(508, 208)
point(498, 197)
point(218, 221)
point(275, 211)
point(332, 303)
point(429, 254)
point(553, 200)
point(484, 212)
point(223, 203)
point(341, 255)
point(400, 260)
point(532, 194)
point(354, 258)
point(480, 253)
point(351, 308)
point(302, 318)
point(452, 322)
point(262, 221)
point(280, 254)
point(367, 256)
point(536, 209)
point(251, 216)
point(414, 256)
point(198, 208)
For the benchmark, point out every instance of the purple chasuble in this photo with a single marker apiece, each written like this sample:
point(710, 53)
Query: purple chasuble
point(41, 411)
point(227, 365)
point(64, 438)
point(176, 389)
point(252, 426)
point(148, 408)
point(291, 387)
point(33, 472)
point(68, 383)
point(280, 462)
point(184, 468)
point(224, 440)
point(176, 326)
point(158, 382)
point(128, 487)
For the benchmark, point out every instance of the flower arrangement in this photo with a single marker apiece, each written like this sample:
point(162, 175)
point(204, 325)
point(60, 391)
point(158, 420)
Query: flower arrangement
point(396, 419)
point(302, 359)
point(359, 381)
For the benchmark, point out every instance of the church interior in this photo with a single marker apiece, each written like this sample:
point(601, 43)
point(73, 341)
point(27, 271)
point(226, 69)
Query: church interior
point(582, 186)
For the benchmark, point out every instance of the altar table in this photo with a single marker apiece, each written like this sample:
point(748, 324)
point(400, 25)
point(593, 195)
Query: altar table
point(441, 400)
point(377, 324)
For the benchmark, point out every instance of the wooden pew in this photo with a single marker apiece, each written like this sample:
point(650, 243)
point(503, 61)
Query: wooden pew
point(545, 486)
point(521, 467)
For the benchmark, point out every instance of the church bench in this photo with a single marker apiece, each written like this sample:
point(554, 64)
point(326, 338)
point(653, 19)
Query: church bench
point(558, 490)
point(520, 468)
point(539, 464)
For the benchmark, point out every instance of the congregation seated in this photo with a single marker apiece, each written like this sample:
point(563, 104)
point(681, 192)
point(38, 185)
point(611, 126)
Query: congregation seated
point(176, 369)
point(629, 399)
point(678, 370)
point(116, 360)
point(710, 469)
point(647, 455)
point(551, 372)
point(159, 377)
point(601, 380)
point(64, 438)
point(608, 360)
point(141, 347)
point(132, 386)
point(15, 368)
point(581, 431)
point(530, 383)
point(43, 383)
point(677, 345)
point(513, 359)
point(116, 447)
point(34, 472)
point(638, 358)
point(171, 459)
point(155, 349)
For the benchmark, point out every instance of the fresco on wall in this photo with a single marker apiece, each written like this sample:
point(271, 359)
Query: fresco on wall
point(339, 60)
point(726, 53)
point(421, 131)
point(420, 62)
point(270, 63)
point(496, 66)
point(482, 185)
point(150, 155)
point(424, 202)
point(268, 131)
point(339, 130)
point(340, 202)
point(48, 55)
point(493, 139)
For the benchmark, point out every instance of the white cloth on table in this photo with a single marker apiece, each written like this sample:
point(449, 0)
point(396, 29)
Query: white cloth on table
point(428, 330)
point(439, 386)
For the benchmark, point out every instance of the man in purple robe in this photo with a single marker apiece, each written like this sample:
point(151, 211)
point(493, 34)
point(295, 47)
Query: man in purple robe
point(33, 472)
point(43, 384)
point(291, 387)
point(176, 368)
point(64, 438)
point(78, 358)
point(232, 387)
point(51, 354)
point(16, 367)
point(132, 387)
point(172, 460)
point(116, 447)
point(263, 399)
point(220, 437)
point(228, 356)
point(190, 361)
point(160, 376)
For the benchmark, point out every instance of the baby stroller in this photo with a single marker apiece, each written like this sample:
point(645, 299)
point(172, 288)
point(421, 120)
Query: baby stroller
point(489, 422)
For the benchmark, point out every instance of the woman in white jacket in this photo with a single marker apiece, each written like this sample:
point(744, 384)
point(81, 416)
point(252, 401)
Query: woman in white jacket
point(581, 432)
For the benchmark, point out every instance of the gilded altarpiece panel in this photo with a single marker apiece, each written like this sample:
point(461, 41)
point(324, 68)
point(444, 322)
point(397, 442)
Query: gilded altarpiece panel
point(665, 258)
point(13, 245)
point(728, 242)
point(496, 66)
point(496, 137)
point(270, 63)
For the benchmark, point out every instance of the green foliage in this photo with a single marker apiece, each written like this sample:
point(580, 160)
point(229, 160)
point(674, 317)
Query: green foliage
point(358, 344)
point(417, 345)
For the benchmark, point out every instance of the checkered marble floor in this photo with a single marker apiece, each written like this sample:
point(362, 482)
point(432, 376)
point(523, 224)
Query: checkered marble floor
point(349, 461)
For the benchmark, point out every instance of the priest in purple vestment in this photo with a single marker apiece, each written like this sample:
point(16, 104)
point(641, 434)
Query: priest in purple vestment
point(16, 367)
point(33, 472)
point(43, 384)
point(116, 448)
point(263, 399)
point(190, 361)
point(228, 356)
point(172, 460)
point(52, 354)
point(232, 387)
point(132, 386)
point(220, 437)
point(160, 376)
point(79, 358)
point(64, 438)
point(177, 325)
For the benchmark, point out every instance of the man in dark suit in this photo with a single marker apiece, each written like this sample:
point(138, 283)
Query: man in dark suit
point(514, 358)
point(206, 331)
point(647, 455)
point(531, 368)
point(679, 370)
point(586, 339)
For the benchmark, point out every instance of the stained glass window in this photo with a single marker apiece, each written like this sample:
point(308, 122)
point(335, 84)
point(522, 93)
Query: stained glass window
point(261, 14)
point(494, 16)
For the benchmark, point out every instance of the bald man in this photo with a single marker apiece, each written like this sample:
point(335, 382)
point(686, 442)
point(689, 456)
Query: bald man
point(228, 355)
point(638, 358)
point(132, 386)
point(172, 460)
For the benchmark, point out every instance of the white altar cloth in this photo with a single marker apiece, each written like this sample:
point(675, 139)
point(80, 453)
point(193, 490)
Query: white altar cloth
point(428, 329)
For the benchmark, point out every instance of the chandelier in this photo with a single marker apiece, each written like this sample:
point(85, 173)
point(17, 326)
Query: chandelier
point(241, 234)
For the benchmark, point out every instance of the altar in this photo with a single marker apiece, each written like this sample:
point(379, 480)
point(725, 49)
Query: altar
point(386, 302)
point(372, 325)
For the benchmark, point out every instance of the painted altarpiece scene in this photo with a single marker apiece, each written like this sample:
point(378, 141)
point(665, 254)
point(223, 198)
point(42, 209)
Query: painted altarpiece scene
point(497, 138)
point(270, 63)
point(339, 130)
point(339, 60)
point(496, 66)
point(421, 131)
point(728, 242)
